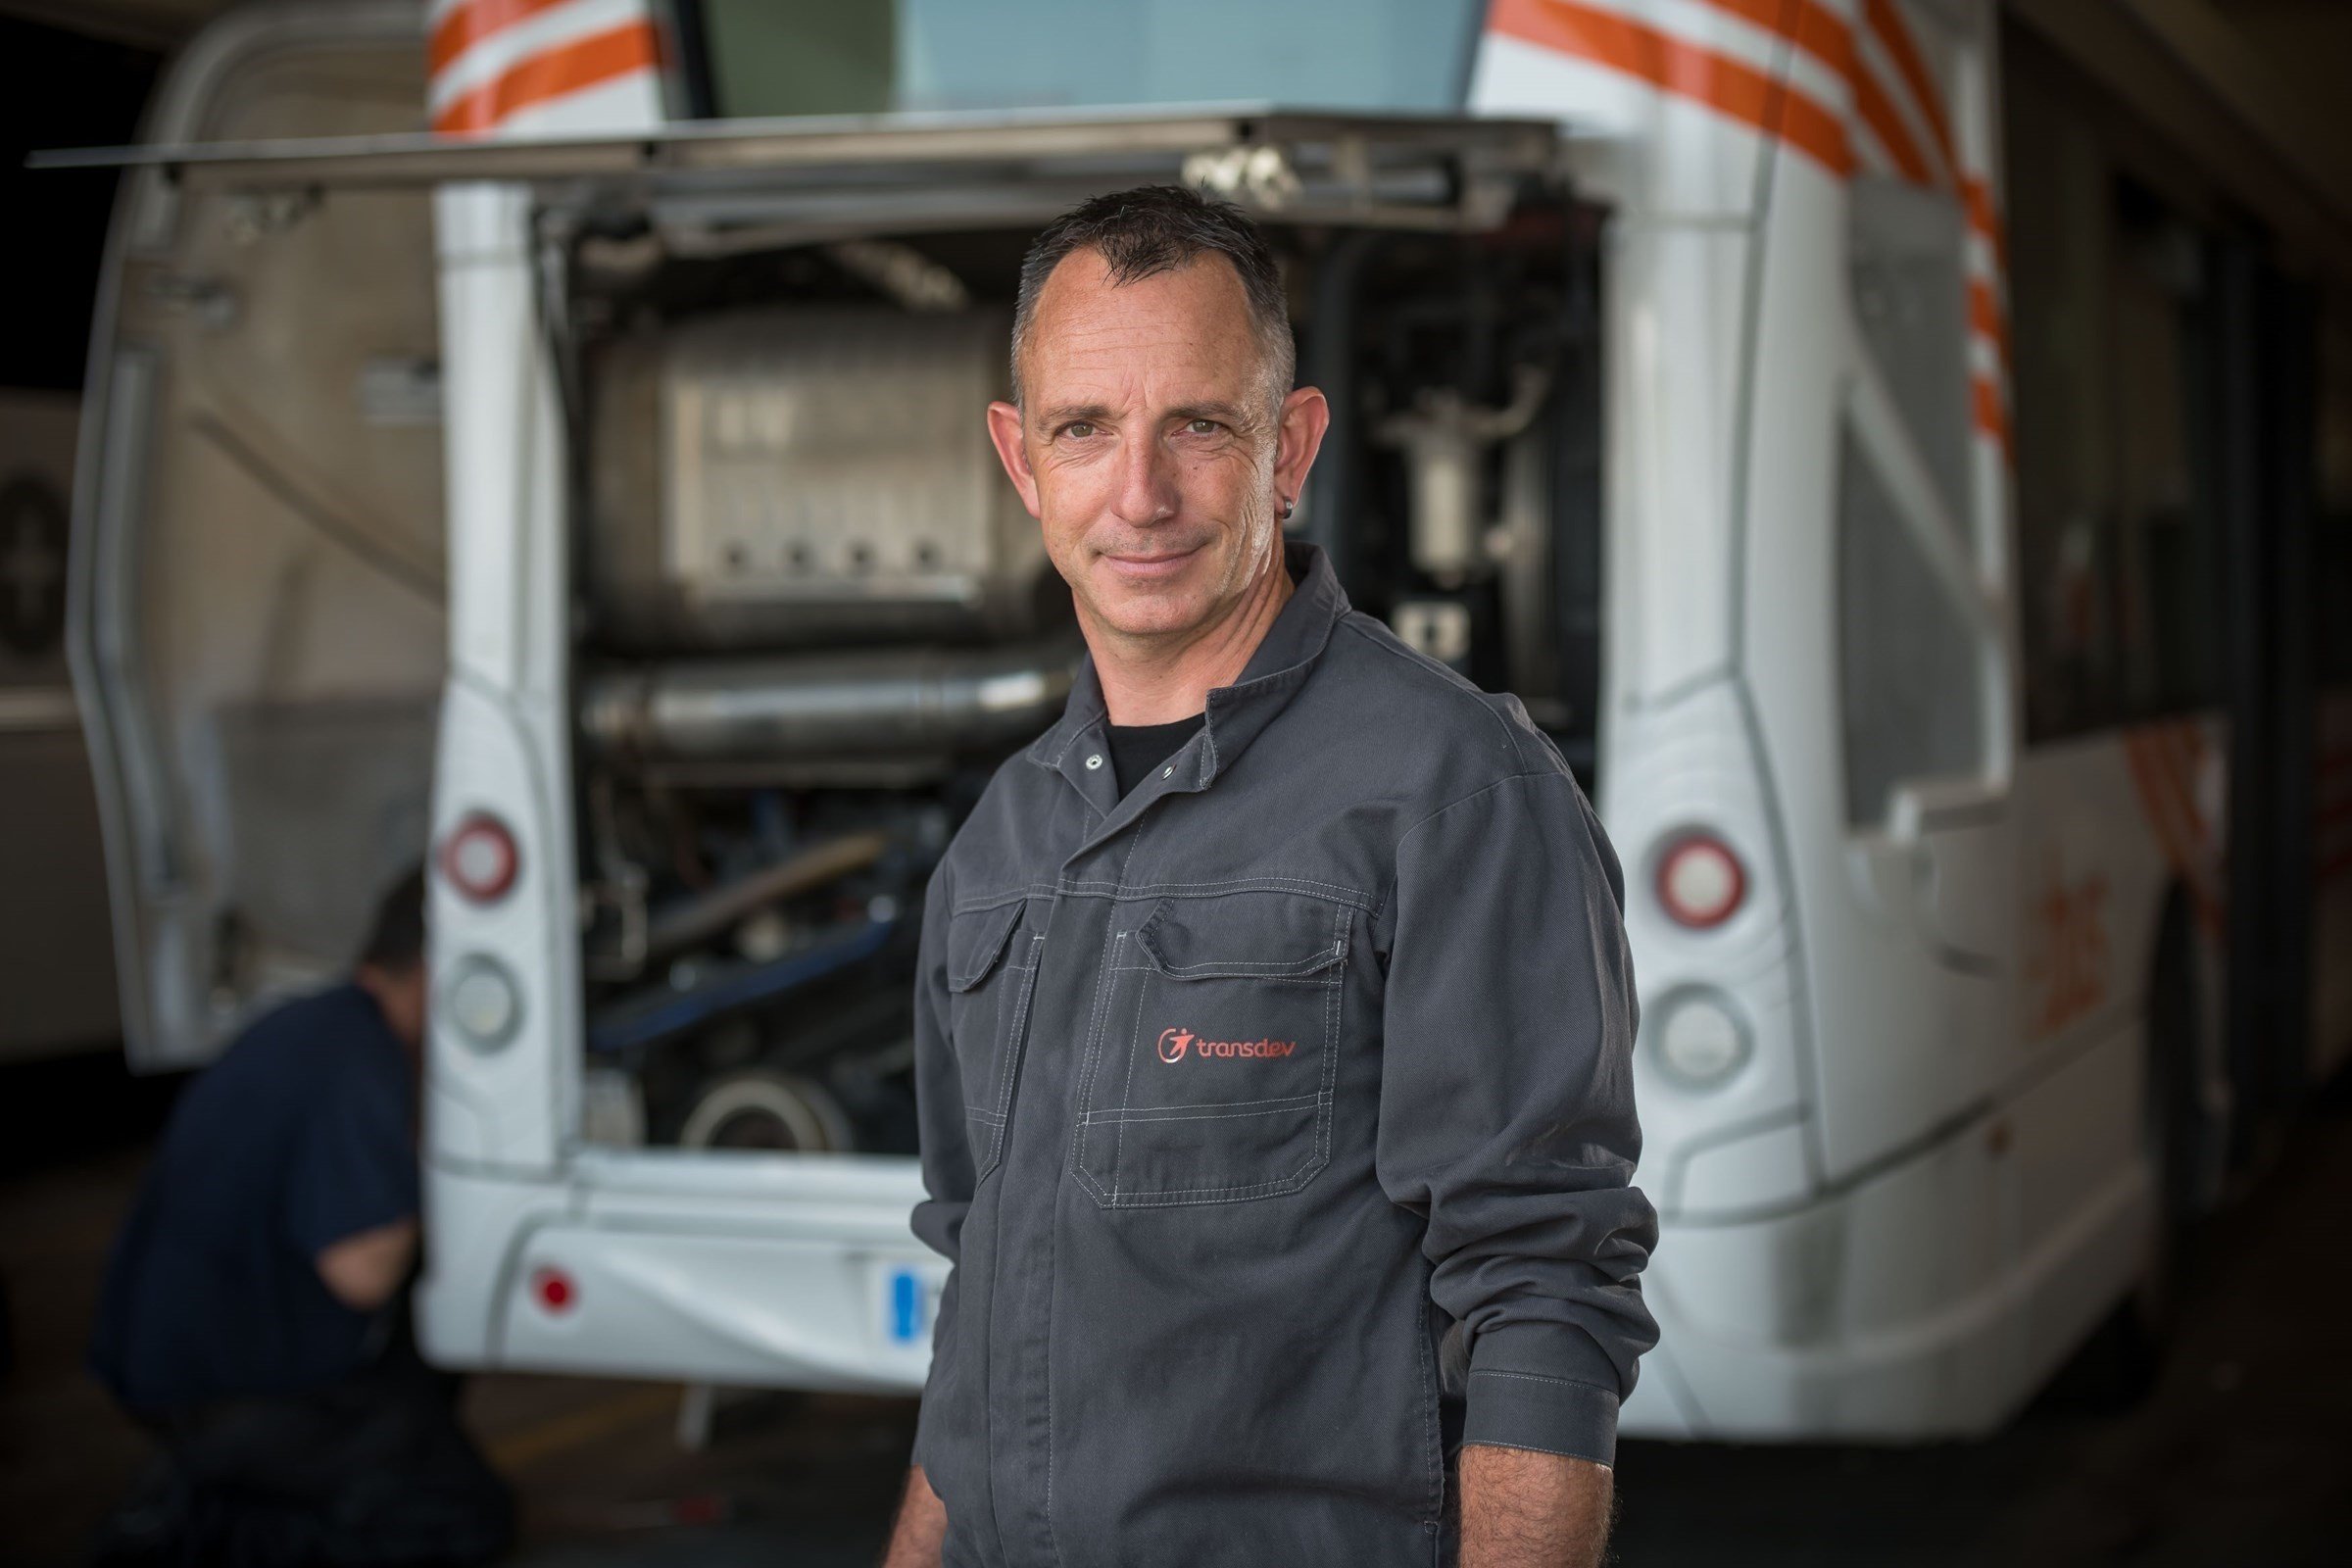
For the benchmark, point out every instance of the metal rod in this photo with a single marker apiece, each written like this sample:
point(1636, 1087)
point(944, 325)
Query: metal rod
point(690, 920)
point(825, 706)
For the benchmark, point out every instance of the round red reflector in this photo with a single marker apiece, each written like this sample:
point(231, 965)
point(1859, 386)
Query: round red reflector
point(479, 858)
point(554, 1289)
point(1701, 882)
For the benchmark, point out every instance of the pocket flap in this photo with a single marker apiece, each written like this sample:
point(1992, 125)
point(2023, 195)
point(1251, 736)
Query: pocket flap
point(1242, 935)
point(976, 941)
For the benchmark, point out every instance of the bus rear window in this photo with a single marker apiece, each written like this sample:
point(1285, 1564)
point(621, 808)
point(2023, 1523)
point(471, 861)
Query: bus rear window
point(759, 58)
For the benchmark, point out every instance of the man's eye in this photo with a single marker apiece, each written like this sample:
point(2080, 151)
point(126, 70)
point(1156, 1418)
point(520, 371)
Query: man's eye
point(1080, 429)
point(1204, 426)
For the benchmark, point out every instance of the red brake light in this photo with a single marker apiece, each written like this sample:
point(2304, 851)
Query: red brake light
point(554, 1289)
point(479, 858)
point(1700, 881)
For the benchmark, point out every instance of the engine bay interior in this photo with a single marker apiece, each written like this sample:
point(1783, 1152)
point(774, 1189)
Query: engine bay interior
point(811, 615)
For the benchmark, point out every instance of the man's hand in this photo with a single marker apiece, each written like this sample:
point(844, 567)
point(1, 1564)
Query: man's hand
point(922, 1527)
point(1524, 1509)
point(363, 1272)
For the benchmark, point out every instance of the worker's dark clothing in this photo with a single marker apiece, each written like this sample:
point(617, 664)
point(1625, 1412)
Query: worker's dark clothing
point(301, 1134)
point(371, 1469)
point(295, 1428)
point(1277, 1115)
point(1137, 749)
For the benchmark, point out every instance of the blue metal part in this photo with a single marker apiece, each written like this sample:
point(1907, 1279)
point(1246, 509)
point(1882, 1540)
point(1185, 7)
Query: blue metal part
point(905, 1306)
point(758, 983)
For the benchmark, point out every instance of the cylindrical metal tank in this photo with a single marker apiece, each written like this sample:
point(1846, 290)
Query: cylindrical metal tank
point(824, 712)
point(768, 478)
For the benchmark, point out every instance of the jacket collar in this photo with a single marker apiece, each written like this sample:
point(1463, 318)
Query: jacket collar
point(1238, 714)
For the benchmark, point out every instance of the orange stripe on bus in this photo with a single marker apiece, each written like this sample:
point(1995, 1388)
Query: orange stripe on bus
point(1887, 21)
point(1819, 32)
point(1984, 317)
point(1878, 112)
point(1815, 131)
point(1984, 219)
point(1991, 413)
point(585, 63)
point(466, 24)
point(1727, 86)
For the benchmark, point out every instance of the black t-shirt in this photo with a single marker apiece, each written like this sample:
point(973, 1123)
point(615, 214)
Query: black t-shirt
point(300, 1136)
point(1137, 749)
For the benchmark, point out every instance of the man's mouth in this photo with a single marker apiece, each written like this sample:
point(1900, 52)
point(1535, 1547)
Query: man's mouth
point(1143, 567)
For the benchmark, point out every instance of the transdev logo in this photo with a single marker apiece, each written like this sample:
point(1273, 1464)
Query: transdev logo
point(1176, 1043)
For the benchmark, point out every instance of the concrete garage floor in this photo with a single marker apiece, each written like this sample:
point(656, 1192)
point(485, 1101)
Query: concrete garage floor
point(2242, 1456)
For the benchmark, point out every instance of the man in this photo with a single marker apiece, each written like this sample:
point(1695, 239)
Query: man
point(1274, 1014)
point(254, 1314)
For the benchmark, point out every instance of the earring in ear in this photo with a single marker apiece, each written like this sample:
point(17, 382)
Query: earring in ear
point(1288, 507)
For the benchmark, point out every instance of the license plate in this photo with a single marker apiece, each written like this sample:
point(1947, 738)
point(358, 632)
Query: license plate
point(910, 1295)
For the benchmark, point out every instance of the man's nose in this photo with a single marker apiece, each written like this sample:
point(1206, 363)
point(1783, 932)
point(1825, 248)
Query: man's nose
point(1147, 490)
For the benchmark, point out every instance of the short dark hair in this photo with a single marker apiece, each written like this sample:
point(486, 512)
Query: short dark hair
point(1160, 228)
point(396, 941)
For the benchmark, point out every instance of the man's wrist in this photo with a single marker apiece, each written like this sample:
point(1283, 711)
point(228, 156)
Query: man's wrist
point(1526, 1508)
point(918, 1536)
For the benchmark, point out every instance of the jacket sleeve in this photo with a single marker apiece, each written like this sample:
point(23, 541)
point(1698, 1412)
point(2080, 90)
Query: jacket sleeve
point(1506, 1113)
point(947, 1159)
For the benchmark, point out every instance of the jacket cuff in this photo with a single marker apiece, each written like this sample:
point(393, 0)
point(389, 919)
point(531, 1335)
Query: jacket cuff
point(1542, 1386)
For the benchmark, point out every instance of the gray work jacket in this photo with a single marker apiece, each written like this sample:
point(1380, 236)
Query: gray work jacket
point(1278, 1120)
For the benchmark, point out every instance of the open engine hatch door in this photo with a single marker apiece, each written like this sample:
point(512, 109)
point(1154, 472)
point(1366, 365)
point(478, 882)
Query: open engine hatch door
point(935, 169)
point(256, 614)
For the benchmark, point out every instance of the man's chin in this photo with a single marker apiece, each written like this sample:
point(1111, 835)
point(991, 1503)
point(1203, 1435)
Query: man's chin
point(1158, 612)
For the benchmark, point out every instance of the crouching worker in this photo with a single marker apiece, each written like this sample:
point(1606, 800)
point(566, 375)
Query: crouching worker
point(255, 1312)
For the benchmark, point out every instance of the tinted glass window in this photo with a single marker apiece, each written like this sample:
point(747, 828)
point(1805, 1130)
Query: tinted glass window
point(1911, 659)
point(809, 58)
point(2120, 560)
point(1912, 680)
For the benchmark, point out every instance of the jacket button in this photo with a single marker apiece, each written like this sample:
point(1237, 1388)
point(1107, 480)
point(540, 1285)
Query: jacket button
point(1094, 760)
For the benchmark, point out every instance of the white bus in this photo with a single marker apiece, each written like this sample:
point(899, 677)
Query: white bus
point(1878, 439)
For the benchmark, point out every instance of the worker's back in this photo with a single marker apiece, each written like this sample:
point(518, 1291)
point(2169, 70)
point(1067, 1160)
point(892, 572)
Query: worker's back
point(300, 1136)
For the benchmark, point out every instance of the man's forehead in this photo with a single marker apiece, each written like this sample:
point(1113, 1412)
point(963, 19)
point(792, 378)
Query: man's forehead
point(1088, 268)
point(1186, 323)
point(1081, 297)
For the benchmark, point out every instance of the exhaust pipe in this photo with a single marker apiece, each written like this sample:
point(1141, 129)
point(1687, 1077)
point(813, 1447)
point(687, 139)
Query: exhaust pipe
point(825, 708)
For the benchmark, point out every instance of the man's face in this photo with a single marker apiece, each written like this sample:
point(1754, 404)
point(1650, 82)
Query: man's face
point(1148, 447)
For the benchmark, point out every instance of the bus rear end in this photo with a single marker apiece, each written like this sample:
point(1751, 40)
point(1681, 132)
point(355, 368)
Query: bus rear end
point(743, 615)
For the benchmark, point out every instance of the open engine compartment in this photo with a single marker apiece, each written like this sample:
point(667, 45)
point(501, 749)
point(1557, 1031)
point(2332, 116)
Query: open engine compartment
point(811, 617)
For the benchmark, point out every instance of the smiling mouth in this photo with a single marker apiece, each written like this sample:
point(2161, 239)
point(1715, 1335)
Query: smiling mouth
point(1149, 563)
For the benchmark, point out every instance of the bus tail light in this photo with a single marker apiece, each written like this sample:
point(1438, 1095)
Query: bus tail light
point(1702, 1041)
point(553, 1288)
point(479, 858)
point(482, 999)
point(1700, 881)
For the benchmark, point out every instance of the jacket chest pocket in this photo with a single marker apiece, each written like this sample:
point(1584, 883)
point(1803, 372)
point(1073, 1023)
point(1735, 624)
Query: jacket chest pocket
point(1214, 1078)
point(991, 972)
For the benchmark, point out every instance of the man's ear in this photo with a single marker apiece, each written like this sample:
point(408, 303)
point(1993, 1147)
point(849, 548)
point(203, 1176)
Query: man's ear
point(1304, 417)
point(1004, 430)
